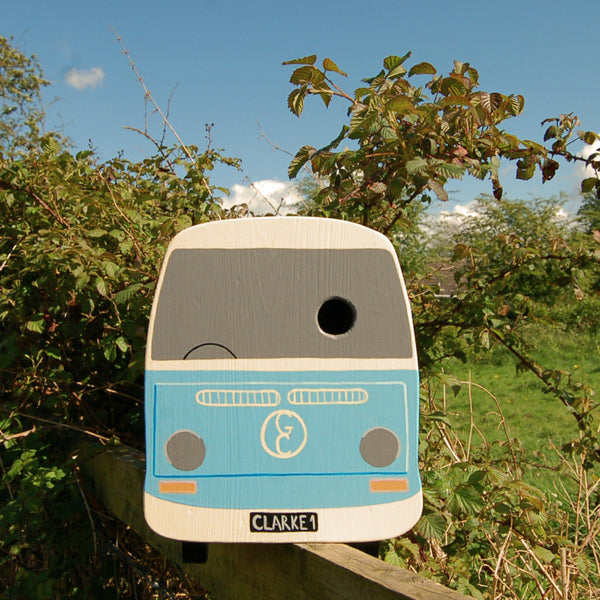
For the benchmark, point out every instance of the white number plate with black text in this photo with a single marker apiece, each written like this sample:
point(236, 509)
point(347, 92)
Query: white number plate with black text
point(283, 522)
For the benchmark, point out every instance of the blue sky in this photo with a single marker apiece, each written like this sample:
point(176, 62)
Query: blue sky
point(220, 62)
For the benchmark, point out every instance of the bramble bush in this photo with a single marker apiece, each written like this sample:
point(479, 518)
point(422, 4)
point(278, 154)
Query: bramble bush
point(80, 241)
point(484, 530)
point(79, 246)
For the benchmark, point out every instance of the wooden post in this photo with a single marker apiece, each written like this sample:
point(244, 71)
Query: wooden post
point(265, 571)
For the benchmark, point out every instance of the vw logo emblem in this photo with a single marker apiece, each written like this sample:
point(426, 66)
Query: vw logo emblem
point(283, 434)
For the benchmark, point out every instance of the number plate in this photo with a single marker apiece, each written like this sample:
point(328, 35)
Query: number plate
point(283, 522)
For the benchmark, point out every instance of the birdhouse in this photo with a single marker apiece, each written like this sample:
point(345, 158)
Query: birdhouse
point(282, 389)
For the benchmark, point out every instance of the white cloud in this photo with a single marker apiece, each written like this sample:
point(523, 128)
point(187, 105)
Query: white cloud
point(458, 214)
point(584, 170)
point(266, 196)
point(84, 78)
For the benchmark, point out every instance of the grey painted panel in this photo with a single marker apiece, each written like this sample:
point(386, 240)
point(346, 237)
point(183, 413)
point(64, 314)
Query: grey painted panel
point(263, 303)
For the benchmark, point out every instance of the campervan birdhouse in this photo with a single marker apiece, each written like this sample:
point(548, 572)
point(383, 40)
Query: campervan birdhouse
point(281, 386)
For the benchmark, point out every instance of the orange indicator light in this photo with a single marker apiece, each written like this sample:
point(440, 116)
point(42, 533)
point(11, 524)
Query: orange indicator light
point(388, 485)
point(177, 487)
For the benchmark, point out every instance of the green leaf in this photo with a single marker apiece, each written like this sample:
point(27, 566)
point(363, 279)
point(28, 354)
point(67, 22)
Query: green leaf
point(478, 477)
point(126, 294)
point(552, 132)
point(588, 184)
point(110, 352)
point(302, 157)
point(110, 268)
point(117, 234)
point(306, 60)
point(392, 62)
point(126, 246)
point(452, 87)
point(392, 558)
point(329, 65)
point(122, 344)
point(517, 103)
point(438, 189)
point(398, 71)
point(422, 68)
point(326, 97)
point(50, 145)
point(544, 554)
point(96, 233)
point(439, 417)
point(450, 170)
point(100, 285)
point(465, 500)
point(296, 100)
point(405, 546)
point(400, 104)
point(306, 74)
point(37, 325)
point(361, 92)
point(589, 137)
point(81, 281)
point(431, 525)
point(396, 187)
point(524, 171)
point(416, 165)
point(484, 338)
point(473, 75)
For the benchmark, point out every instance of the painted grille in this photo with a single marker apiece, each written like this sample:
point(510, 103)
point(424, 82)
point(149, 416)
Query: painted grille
point(304, 396)
point(238, 397)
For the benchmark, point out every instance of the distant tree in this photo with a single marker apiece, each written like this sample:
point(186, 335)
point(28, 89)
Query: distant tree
point(21, 110)
point(589, 212)
point(497, 230)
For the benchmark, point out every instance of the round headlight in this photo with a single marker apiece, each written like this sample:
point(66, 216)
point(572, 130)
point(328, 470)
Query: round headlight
point(380, 447)
point(185, 450)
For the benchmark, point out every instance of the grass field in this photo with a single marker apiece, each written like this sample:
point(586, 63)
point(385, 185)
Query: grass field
point(536, 420)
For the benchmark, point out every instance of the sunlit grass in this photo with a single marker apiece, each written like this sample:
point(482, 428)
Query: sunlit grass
point(535, 420)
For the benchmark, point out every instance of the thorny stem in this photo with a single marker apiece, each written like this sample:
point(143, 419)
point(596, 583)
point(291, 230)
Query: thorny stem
point(62, 425)
point(389, 226)
point(148, 96)
point(114, 200)
point(339, 91)
point(502, 419)
point(157, 144)
point(14, 188)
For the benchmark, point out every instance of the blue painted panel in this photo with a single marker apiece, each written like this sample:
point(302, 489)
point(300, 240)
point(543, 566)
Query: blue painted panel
point(281, 440)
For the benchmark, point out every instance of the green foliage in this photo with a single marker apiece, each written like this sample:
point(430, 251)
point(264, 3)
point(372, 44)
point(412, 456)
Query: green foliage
point(21, 113)
point(589, 212)
point(515, 265)
point(411, 139)
point(512, 265)
point(485, 531)
point(80, 244)
point(563, 132)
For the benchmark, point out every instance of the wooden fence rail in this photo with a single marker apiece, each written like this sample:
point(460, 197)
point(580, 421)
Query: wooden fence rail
point(257, 571)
